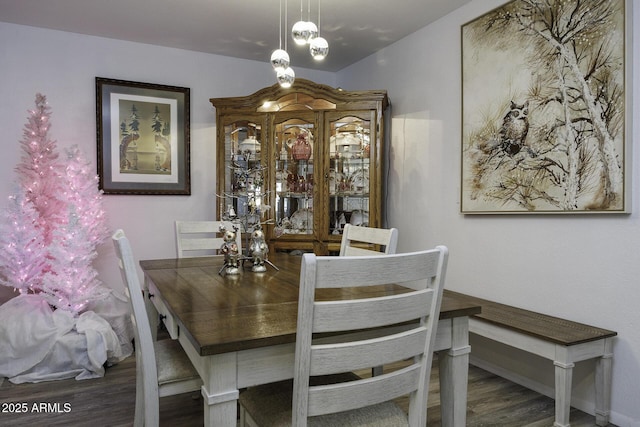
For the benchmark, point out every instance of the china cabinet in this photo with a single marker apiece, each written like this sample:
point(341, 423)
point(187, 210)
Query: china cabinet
point(301, 162)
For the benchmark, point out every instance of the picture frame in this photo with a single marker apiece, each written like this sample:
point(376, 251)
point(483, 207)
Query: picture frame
point(546, 109)
point(143, 135)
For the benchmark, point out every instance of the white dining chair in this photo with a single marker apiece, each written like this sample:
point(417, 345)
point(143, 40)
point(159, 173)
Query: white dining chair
point(358, 240)
point(162, 367)
point(399, 328)
point(202, 238)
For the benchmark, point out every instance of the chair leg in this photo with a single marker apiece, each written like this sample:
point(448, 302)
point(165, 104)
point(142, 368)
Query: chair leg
point(138, 418)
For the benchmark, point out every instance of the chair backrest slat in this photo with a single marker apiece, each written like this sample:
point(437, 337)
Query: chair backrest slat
point(201, 238)
point(377, 270)
point(347, 357)
point(330, 316)
point(341, 397)
point(368, 238)
point(398, 328)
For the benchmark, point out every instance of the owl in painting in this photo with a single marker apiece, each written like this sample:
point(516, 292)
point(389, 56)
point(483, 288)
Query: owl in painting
point(515, 126)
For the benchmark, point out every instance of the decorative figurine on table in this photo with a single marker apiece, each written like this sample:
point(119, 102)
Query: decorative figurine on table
point(248, 197)
point(258, 250)
point(230, 250)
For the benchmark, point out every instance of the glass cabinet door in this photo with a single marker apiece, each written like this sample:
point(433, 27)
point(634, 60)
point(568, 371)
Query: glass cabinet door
point(349, 175)
point(244, 174)
point(294, 158)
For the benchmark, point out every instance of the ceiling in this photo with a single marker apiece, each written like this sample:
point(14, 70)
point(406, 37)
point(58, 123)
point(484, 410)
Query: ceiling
point(239, 28)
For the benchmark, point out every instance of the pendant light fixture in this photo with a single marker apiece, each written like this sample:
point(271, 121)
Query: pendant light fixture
point(301, 31)
point(285, 74)
point(280, 57)
point(313, 30)
point(318, 46)
point(286, 77)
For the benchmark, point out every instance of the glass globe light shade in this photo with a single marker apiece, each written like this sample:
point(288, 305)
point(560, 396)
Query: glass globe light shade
point(319, 48)
point(286, 77)
point(280, 59)
point(313, 31)
point(300, 32)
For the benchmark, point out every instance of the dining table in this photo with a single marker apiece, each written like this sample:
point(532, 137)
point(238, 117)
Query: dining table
point(239, 330)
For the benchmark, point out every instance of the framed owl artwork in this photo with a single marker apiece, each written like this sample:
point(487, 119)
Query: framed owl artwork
point(546, 108)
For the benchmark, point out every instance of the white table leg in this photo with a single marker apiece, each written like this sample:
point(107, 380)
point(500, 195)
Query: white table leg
point(454, 375)
point(220, 386)
point(564, 376)
point(219, 390)
point(603, 384)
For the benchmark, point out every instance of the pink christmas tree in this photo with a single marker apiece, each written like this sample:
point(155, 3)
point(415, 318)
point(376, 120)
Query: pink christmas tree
point(80, 191)
point(24, 256)
point(39, 168)
point(55, 222)
point(72, 282)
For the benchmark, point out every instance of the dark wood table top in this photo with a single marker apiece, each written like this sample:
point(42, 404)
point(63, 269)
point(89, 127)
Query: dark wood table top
point(220, 313)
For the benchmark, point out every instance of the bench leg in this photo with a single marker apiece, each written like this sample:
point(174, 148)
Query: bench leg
point(603, 384)
point(564, 376)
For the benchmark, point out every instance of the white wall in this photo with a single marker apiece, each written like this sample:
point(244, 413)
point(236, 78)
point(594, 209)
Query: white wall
point(584, 268)
point(63, 67)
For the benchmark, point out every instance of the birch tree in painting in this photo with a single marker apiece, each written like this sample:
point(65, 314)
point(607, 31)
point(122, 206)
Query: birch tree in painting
point(559, 145)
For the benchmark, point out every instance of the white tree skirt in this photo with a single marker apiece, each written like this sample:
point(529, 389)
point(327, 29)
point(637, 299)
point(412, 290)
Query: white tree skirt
point(40, 344)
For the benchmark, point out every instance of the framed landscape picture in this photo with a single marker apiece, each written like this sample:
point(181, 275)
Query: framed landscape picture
point(143, 137)
point(546, 108)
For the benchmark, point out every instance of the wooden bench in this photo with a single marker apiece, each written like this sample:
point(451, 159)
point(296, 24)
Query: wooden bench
point(562, 341)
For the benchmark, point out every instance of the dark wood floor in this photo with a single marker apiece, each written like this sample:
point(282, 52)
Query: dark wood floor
point(109, 401)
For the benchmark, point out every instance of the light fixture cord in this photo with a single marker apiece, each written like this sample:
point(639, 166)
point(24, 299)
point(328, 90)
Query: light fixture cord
point(280, 27)
point(286, 8)
point(301, 2)
point(309, 11)
point(319, 1)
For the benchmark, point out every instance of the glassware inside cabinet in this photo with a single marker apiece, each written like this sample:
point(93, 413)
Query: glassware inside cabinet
point(293, 207)
point(349, 174)
point(244, 191)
